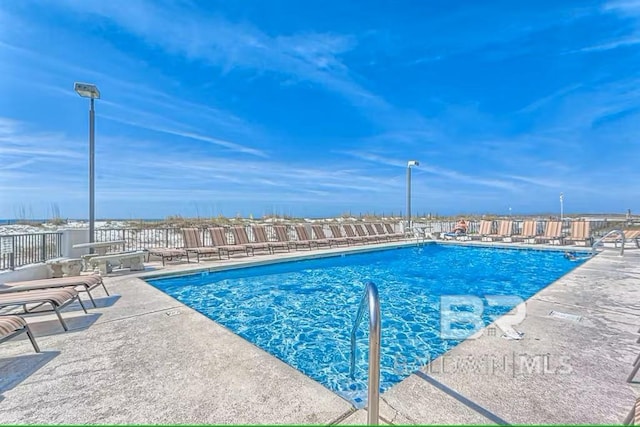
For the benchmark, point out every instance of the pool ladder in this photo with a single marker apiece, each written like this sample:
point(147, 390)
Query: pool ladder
point(597, 242)
point(370, 297)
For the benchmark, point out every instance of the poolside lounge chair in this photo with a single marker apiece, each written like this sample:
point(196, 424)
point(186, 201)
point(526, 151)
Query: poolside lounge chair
point(372, 232)
point(193, 243)
point(361, 233)
point(505, 228)
point(282, 236)
point(632, 235)
point(629, 236)
point(392, 232)
point(318, 231)
point(31, 302)
point(10, 326)
point(636, 367)
point(167, 253)
point(86, 283)
point(380, 229)
point(260, 234)
point(529, 232)
point(336, 232)
point(552, 233)
point(580, 233)
point(484, 231)
point(219, 239)
point(301, 233)
point(242, 238)
point(351, 234)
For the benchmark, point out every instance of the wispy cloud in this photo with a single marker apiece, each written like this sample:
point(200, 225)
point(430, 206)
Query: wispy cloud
point(625, 7)
point(18, 141)
point(435, 170)
point(306, 56)
point(539, 103)
point(615, 44)
point(190, 135)
point(18, 165)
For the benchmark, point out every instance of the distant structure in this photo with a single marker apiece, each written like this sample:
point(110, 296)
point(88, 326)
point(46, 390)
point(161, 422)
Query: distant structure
point(628, 213)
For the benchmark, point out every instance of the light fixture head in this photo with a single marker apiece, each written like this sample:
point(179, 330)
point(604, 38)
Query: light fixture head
point(413, 163)
point(87, 90)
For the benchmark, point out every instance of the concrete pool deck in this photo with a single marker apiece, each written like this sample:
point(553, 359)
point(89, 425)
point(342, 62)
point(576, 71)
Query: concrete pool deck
point(143, 357)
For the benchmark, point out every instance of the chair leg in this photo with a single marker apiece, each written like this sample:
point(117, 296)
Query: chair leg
point(91, 298)
point(32, 339)
point(82, 304)
point(105, 289)
point(630, 418)
point(633, 373)
point(64, 325)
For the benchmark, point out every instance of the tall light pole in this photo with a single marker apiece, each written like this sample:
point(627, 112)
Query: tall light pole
point(561, 206)
point(409, 164)
point(87, 90)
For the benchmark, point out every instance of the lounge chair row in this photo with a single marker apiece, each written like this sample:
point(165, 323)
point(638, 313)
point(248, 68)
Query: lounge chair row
point(33, 297)
point(281, 239)
point(580, 232)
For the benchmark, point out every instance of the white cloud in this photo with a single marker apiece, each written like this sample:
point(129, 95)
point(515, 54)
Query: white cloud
point(435, 170)
point(190, 135)
point(615, 44)
point(307, 56)
point(624, 7)
point(20, 141)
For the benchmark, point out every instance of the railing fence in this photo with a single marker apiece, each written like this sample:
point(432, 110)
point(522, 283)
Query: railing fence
point(17, 250)
point(21, 249)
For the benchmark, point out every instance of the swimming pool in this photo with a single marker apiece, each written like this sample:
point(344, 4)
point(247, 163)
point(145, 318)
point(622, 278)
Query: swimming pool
point(302, 311)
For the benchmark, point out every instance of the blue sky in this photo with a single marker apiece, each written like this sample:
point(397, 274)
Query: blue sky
point(313, 108)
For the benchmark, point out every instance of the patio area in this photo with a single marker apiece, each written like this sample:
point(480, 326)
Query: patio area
point(143, 357)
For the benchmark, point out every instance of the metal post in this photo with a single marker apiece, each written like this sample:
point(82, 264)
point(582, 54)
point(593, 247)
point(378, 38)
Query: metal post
point(373, 393)
point(91, 174)
point(561, 206)
point(43, 247)
point(408, 196)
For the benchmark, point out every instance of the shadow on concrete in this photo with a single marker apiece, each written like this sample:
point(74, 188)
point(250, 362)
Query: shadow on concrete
point(460, 398)
point(14, 370)
point(51, 325)
point(147, 269)
point(101, 302)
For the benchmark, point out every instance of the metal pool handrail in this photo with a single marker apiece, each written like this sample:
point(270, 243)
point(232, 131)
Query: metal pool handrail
point(373, 302)
point(597, 242)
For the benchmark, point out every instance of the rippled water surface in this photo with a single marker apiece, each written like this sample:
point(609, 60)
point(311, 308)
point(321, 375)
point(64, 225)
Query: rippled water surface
point(302, 312)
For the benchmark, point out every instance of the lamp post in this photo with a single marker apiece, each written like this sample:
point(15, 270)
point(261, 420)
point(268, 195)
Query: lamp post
point(409, 164)
point(561, 206)
point(87, 90)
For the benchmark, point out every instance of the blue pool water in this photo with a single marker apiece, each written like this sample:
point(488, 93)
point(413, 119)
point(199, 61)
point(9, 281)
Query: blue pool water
point(302, 312)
